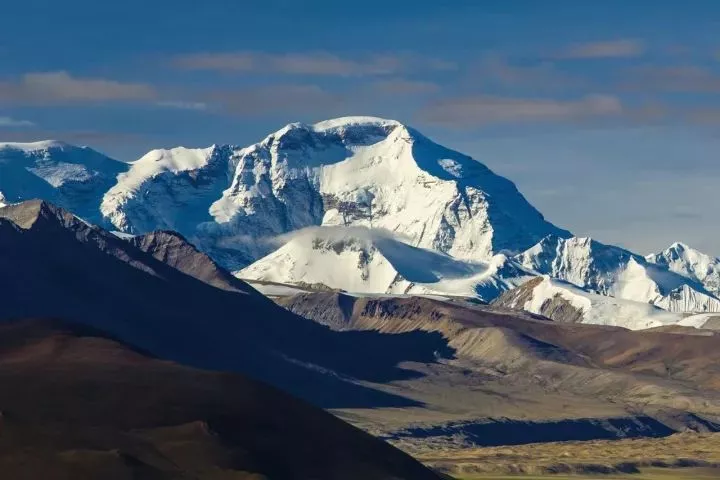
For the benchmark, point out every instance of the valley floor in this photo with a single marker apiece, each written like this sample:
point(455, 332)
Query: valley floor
point(685, 455)
point(647, 474)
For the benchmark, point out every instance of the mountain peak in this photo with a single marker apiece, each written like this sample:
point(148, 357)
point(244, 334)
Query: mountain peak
point(356, 130)
point(177, 158)
point(680, 246)
point(354, 121)
point(173, 249)
point(682, 250)
point(26, 214)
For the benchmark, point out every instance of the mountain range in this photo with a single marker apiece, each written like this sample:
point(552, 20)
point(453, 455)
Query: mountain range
point(87, 312)
point(369, 206)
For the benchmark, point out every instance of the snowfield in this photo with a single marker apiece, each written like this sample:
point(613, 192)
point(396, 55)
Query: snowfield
point(361, 260)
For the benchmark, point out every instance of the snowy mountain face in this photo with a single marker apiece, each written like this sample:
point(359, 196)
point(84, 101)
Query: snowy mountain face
point(615, 272)
point(168, 189)
point(371, 261)
point(690, 263)
point(353, 171)
point(74, 177)
point(564, 302)
point(358, 203)
point(377, 174)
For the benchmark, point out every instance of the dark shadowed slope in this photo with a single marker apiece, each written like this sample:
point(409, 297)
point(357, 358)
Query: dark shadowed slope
point(78, 405)
point(693, 358)
point(519, 377)
point(54, 265)
point(172, 248)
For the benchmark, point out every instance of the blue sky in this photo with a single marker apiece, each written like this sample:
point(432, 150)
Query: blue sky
point(606, 114)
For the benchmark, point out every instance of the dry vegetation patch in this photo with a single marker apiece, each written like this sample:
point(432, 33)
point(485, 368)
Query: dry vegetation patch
point(691, 451)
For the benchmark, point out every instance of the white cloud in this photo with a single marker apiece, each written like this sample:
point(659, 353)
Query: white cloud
point(623, 48)
point(11, 122)
point(287, 99)
point(182, 105)
point(61, 87)
point(483, 109)
point(399, 86)
point(309, 63)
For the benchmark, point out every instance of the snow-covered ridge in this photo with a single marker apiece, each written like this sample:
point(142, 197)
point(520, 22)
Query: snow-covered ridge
point(166, 189)
point(690, 263)
point(360, 260)
point(349, 122)
point(612, 271)
point(565, 302)
point(71, 176)
point(35, 146)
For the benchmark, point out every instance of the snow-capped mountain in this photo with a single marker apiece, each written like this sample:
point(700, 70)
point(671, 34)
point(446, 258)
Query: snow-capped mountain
point(615, 272)
point(379, 208)
point(168, 189)
point(355, 171)
point(564, 302)
point(75, 177)
point(363, 260)
point(690, 263)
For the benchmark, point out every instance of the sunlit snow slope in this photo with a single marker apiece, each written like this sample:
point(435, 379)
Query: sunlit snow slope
point(75, 177)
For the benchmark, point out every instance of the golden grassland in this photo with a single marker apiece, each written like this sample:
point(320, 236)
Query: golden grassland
point(645, 474)
point(685, 455)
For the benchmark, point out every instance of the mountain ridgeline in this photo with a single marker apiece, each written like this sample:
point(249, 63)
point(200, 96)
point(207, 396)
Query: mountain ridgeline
point(369, 206)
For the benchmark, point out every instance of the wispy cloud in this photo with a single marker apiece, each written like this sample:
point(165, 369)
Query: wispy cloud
point(183, 105)
point(534, 75)
point(309, 63)
point(399, 86)
point(11, 122)
point(61, 87)
point(674, 78)
point(484, 110)
point(622, 48)
point(289, 99)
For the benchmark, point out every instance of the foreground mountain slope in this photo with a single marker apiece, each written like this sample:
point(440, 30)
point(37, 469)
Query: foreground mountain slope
point(54, 265)
point(79, 405)
point(173, 249)
point(521, 378)
point(74, 177)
